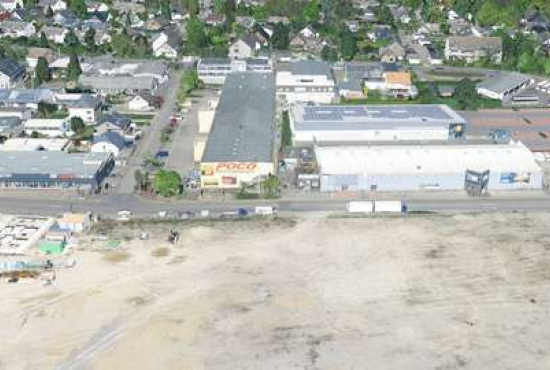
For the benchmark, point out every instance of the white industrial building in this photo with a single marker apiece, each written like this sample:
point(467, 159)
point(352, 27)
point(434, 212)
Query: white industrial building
point(306, 81)
point(428, 167)
point(48, 127)
point(373, 123)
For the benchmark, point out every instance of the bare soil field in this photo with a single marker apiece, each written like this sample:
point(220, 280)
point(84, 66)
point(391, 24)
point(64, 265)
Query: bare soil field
point(423, 292)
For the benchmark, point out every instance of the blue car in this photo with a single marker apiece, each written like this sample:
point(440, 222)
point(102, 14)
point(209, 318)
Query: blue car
point(162, 154)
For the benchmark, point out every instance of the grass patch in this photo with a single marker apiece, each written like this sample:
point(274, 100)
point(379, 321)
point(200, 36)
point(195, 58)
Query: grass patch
point(116, 256)
point(161, 252)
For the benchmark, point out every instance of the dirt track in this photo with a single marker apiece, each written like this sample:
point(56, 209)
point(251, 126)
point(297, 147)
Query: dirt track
point(418, 293)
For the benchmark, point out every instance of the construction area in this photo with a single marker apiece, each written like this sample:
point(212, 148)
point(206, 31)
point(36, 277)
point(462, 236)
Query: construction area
point(402, 292)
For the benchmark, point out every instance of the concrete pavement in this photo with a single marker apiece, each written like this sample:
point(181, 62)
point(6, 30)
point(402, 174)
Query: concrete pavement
point(110, 205)
point(150, 142)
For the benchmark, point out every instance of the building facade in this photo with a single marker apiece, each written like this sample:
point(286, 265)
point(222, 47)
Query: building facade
point(306, 82)
point(428, 167)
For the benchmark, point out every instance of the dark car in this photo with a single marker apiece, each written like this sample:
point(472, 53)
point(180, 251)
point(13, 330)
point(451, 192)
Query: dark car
point(162, 154)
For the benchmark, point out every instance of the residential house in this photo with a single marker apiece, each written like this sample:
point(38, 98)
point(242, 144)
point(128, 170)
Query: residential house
point(399, 85)
point(66, 19)
point(156, 24)
point(17, 29)
point(214, 20)
point(55, 34)
point(114, 122)
point(245, 22)
point(401, 14)
point(274, 19)
point(48, 127)
point(56, 5)
point(108, 142)
point(129, 7)
point(10, 126)
point(307, 40)
point(243, 48)
point(12, 73)
point(20, 15)
point(306, 81)
point(96, 6)
point(33, 54)
point(11, 5)
point(167, 44)
point(473, 49)
point(85, 106)
point(380, 32)
point(24, 98)
point(143, 102)
point(392, 53)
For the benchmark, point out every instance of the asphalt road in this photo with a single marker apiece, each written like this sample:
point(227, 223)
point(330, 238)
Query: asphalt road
point(109, 206)
point(150, 142)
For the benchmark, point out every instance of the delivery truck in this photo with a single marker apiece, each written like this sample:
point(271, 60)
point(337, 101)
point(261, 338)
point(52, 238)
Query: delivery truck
point(265, 210)
point(360, 207)
point(388, 206)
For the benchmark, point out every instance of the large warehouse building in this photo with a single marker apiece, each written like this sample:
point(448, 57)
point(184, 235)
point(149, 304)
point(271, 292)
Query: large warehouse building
point(428, 167)
point(239, 149)
point(366, 123)
point(61, 170)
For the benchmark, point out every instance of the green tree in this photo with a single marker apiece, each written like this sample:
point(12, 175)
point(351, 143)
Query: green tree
point(466, 95)
point(48, 13)
point(43, 42)
point(77, 125)
point(383, 14)
point(78, 7)
point(166, 9)
point(73, 69)
point(196, 37)
point(192, 7)
point(167, 183)
point(329, 53)
point(311, 12)
point(89, 39)
point(286, 132)
point(280, 39)
point(42, 70)
point(71, 40)
point(348, 44)
point(270, 187)
point(121, 44)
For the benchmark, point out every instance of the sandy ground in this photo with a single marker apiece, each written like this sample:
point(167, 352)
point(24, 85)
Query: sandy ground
point(425, 292)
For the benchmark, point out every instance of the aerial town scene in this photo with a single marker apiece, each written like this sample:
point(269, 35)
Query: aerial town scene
point(275, 184)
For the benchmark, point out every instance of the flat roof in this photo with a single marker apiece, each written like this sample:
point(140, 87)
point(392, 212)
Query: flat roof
point(34, 144)
point(243, 125)
point(364, 117)
point(51, 163)
point(425, 159)
point(502, 82)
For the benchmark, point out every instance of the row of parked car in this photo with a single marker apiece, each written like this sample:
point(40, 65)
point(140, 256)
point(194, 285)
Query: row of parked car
point(240, 212)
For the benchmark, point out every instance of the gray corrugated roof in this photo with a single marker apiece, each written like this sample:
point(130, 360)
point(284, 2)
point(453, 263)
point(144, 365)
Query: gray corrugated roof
point(502, 82)
point(111, 137)
point(308, 67)
point(365, 117)
point(44, 163)
point(242, 130)
point(11, 68)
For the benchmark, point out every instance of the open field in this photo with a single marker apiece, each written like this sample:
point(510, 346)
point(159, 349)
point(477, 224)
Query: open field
point(424, 292)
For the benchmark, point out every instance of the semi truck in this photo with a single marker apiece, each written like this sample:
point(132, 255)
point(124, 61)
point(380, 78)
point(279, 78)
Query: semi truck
point(265, 210)
point(376, 206)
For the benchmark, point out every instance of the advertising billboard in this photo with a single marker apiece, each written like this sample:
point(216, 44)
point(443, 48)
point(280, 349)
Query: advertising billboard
point(514, 178)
